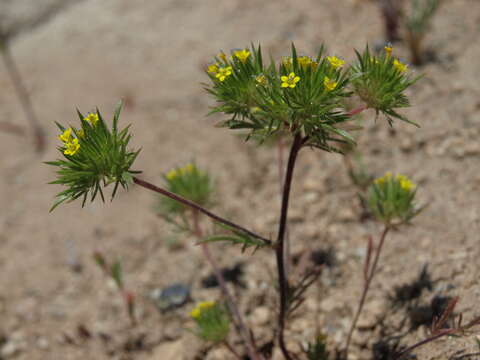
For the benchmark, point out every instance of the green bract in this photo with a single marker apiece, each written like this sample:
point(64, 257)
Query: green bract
point(94, 156)
point(299, 95)
point(391, 198)
point(380, 81)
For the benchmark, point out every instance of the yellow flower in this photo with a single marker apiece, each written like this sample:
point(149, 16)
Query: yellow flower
point(304, 61)
point(213, 68)
point(405, 183)
point(374, 60)
point(222, 56)
point(172, 174)
point(91, 118)
point(329, 83)
point(287, 61)
point(223, 73)
point(242, 55)
point(197, 311)
point(66, 137)
point(261, 80)
point(388, 50)
point(290, 81)
point(314, 65)
point(335, 62)
point(382, 180)
point(189, 168)
point(400, 66)
point(81, 133)
point(71, 147)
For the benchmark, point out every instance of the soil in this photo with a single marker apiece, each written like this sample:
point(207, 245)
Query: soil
point(55, 303)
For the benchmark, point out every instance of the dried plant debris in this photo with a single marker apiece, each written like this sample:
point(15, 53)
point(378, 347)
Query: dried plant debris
point(426, 314)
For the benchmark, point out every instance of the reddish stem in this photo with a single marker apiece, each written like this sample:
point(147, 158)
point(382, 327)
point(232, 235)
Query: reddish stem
point(366, 287)
point(357, 110)
point(280, 245)
point(239, 323)
point(197, 207)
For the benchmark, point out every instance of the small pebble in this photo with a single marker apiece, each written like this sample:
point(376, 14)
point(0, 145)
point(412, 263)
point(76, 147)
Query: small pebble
point(171, 297)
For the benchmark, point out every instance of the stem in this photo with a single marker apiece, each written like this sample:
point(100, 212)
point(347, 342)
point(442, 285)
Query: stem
point(23, 96)
point(357, 110)
point(391, 13)
point(197, 207)
point(280, 148)
point(366, 287)
point(232, 350)
point(281, 161)
point(280, 244)
point(423, 342)
point(239, 324)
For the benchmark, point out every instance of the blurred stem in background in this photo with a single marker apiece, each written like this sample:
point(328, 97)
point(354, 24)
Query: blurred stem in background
point(22, 93)
point(391, 12)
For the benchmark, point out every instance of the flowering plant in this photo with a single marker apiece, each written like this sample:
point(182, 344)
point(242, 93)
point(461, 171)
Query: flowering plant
point(300, 97)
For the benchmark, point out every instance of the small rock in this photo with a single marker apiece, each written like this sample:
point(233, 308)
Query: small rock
point(172, 296)
point(169, 351)
point(11, 349)
point(310, 197)
point(328, 304)
point(43, 343)
point(346, 215)
point(260, 316)
point(219, 353)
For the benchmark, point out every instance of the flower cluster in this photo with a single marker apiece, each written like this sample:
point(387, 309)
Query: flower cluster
point(380, 81)
point(299, 93)
point(94, 155)
point(391, 198)
point(189, 182)
point(186, 170)
point(70, 143)
point(201, 308)
point(213, 322)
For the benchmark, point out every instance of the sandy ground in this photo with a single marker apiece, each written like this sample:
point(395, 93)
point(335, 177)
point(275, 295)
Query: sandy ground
point(92, 53)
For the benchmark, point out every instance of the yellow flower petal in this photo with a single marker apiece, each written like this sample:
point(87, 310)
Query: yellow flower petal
point(400, 66)
point(91, 118)
point(329, 83)
point(72, 147)
point(242, 55)
point(335, 62)
point(66, 137)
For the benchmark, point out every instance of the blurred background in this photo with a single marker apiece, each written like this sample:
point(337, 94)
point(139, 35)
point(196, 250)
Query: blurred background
point(55, 303)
